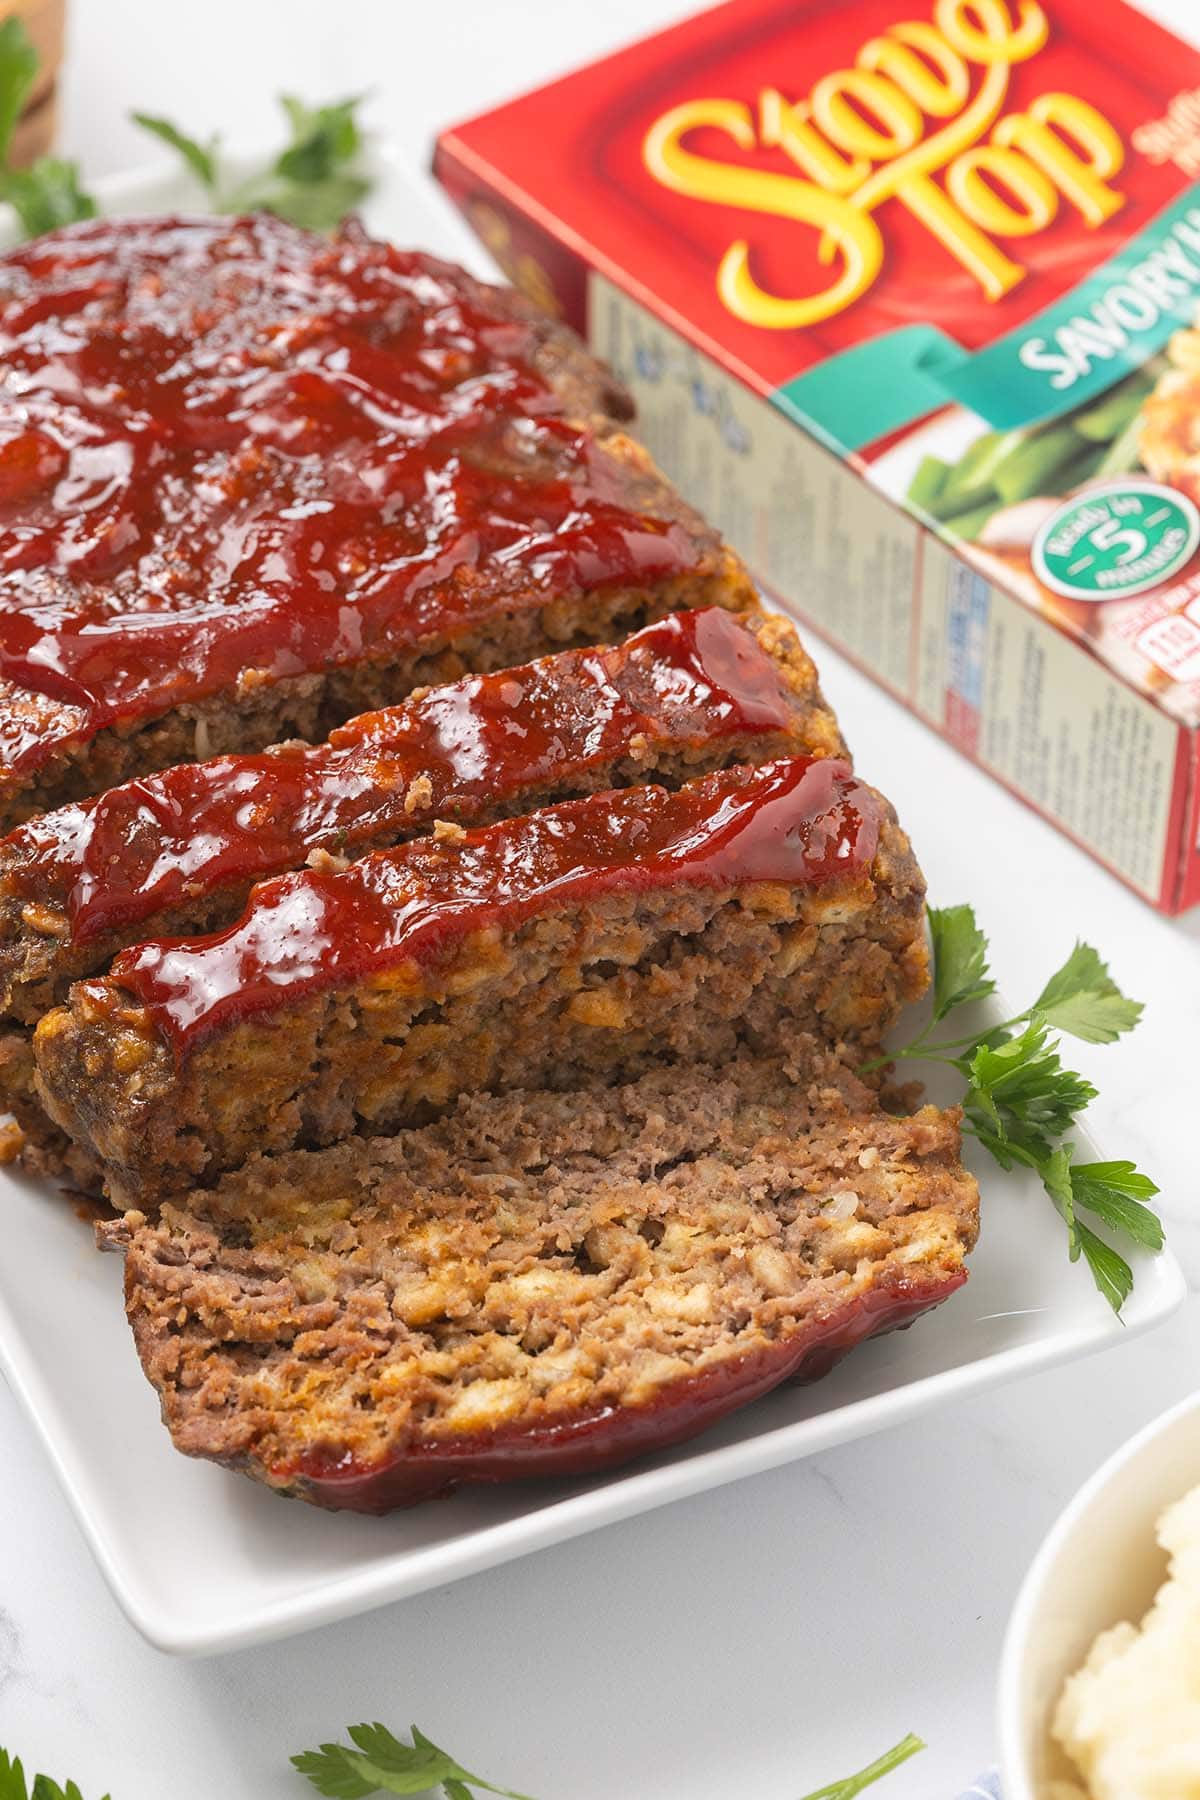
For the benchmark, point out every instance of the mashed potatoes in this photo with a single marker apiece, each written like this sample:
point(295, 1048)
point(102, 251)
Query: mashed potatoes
point(1130, 1717)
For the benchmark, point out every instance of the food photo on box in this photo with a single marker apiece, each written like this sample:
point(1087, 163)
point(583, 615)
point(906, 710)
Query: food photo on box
point(599, 896)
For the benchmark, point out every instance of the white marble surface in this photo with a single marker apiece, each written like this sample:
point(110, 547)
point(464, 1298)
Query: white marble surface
point(767, 1637)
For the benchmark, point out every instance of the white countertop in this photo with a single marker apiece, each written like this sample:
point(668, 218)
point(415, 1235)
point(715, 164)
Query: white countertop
point(761, 1639)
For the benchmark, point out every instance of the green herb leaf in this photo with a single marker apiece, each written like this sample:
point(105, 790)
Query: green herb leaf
point(850, 1785)
point(1020, 1102)
point(12, 1784)
point(12, 1778)
point(323, 139)
point(18, 72)
point(331, 1772)
point(49, 193)
point(1111, 1273)
point(1021, 1096)
point(960, 969)
point(1056, 1178)
point(381, 1764)
point(46, 195)
point(309, 183)
point(200, 158)
point(1115, 1191)
point(312, 182)
point(320, 206)
point(1082, 998)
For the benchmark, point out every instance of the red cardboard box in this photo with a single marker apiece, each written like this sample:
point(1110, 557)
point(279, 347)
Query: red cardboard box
point(908, 298)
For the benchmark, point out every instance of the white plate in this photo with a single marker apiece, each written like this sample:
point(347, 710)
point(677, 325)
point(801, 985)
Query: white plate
point(204, 1561)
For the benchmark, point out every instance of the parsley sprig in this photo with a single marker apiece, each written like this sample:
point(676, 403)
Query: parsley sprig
point(376, 1762)
point(314, 181)
point(1021, 1102)
point(13, 1785)
point(48, 193)
point(850, 1785)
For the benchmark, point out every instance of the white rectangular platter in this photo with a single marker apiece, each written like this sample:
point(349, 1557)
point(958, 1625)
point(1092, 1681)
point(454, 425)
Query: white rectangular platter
point(203, 1561)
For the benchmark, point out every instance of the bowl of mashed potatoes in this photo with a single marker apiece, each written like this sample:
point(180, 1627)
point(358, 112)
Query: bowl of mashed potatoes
point(1100, 1674)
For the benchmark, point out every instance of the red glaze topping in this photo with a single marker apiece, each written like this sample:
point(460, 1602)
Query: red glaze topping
point(231, 445)
point(142, 847)
point(798, 820)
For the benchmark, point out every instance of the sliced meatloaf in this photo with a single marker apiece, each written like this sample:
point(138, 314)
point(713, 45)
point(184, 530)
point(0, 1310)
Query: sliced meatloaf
point(179, 850)
point(585, 941)
point(253, 481)
point(540, 1283)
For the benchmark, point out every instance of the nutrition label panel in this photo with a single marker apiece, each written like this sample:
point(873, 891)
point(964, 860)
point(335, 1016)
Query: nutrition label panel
point(1028, 703)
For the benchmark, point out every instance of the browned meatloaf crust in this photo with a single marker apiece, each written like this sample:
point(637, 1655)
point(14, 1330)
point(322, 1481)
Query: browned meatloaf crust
point(540, 1283)
point(252, 482)
point(586, 941)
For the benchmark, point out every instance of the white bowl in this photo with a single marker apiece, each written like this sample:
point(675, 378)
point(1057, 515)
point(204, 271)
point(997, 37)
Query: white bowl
point(1099, 1565)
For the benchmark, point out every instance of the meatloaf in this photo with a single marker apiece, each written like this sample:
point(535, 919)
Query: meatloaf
point(585, 941)
point(253, 481)
point(179, 850)
point(540, 1283)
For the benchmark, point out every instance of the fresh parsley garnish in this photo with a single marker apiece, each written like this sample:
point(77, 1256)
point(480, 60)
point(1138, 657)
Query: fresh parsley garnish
point(849, 1785)
point(1020, 1099)
point(1084, 1000)
point(1020, 1102)
point(314, 181)
point(201, 159)
point(959, 960)
point(13, 1787)
point(375, 1762)
point(48, 193)
point(18, 72)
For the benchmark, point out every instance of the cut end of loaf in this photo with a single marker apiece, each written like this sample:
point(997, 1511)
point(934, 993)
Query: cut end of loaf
point(540, 1283)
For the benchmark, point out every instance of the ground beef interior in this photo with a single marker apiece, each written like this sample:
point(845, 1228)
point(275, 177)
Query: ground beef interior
point(540, 1282)
point(594, 990)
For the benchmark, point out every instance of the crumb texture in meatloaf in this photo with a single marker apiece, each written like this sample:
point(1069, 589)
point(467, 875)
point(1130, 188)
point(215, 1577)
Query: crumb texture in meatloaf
point(585, 941)
point(239, 458)
point(540, 1283)
point(178, 851)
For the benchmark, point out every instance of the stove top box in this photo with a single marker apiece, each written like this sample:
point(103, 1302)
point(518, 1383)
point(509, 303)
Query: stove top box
point(909, 299)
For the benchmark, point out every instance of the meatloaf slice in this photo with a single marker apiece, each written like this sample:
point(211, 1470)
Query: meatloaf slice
point(253, 482)
point(178, 851)
point(581, 942)
point(540, 1283)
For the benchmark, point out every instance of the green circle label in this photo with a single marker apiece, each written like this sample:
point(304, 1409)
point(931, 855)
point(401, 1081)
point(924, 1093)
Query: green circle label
point(1113, 541)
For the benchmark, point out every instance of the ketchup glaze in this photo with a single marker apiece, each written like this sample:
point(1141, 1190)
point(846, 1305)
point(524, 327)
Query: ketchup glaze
point(199, 828)
point(797, 821)
point(231, 446)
